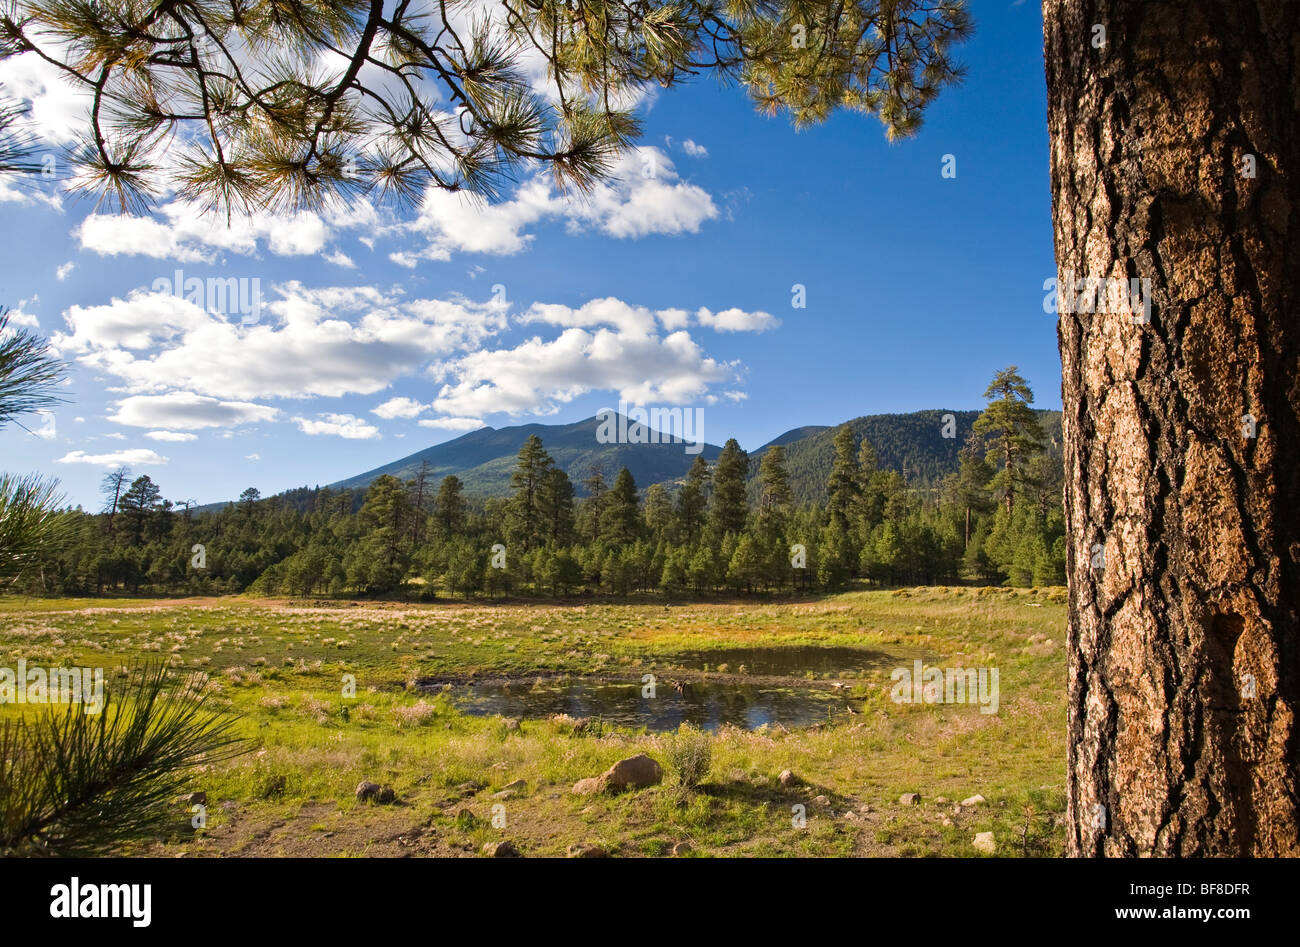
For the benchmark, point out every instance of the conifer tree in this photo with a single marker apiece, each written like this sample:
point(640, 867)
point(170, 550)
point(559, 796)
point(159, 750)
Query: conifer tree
point(1017, 437)
point(557, 507)
point(530, 481)
point(775, 495)
point(844, 487)
point(621, 515)
point(728, 510)
point(692, 501)
point(449, 507)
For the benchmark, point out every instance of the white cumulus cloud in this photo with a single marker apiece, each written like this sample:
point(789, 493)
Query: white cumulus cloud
point(399, 408)
point(132, 457)
point(537, 375)
point(644, 196)
point(737, 320)
point(342, 425)
point(187, 410)
point(322, 342)
point(452, 424)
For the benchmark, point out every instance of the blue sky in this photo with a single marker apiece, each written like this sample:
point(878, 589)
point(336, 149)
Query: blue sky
point(673, 287)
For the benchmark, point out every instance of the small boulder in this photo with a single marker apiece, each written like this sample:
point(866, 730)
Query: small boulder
point(984, 843)
point(366, 790)
point(505, 794)
point(519, 785)
point(972, 801)
point(821, 801)
point(504, 849)
point(788, 778)
point(910, 799)
point(583, 850)
point(635, 771)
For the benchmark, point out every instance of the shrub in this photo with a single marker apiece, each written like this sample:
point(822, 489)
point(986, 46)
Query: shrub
point(75, 783)
point(690, 755)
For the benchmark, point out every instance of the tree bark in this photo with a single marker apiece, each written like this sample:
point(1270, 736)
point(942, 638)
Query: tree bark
point(1184, 668)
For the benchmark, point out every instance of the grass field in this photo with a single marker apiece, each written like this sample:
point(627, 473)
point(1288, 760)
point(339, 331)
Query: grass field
point(281, 665)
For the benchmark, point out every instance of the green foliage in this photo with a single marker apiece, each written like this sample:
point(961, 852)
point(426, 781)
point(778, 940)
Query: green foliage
point(226, 105)
point(1016, 433)
point(911, 445)
point(29, 521)
point(696, 535)
point(75, 783)
point(728, 510)
point(28, 372)
point(690, 756)
point(525, 525)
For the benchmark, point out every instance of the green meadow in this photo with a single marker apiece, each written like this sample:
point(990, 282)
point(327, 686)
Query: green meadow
point(332, 693)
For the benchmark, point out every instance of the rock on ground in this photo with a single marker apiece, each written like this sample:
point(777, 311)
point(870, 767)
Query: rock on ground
point(635, 771)
point(984, 843)
point(910, 799)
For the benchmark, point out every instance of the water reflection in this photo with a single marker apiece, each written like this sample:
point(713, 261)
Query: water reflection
point(705, 705)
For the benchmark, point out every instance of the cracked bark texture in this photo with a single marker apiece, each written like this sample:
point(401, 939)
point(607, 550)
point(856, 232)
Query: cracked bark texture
point(1184, 673)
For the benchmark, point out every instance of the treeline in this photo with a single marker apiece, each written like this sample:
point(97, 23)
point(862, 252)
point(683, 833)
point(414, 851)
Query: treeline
point(997, 520)
point(925, 446)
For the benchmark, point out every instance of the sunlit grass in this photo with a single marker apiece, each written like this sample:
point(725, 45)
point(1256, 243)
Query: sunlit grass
point(282, 665)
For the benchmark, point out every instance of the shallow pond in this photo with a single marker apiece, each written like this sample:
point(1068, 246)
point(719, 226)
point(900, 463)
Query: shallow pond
point(705, 705)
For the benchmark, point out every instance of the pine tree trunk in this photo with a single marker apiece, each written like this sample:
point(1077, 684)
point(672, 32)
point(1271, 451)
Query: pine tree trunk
point(1184, 660)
